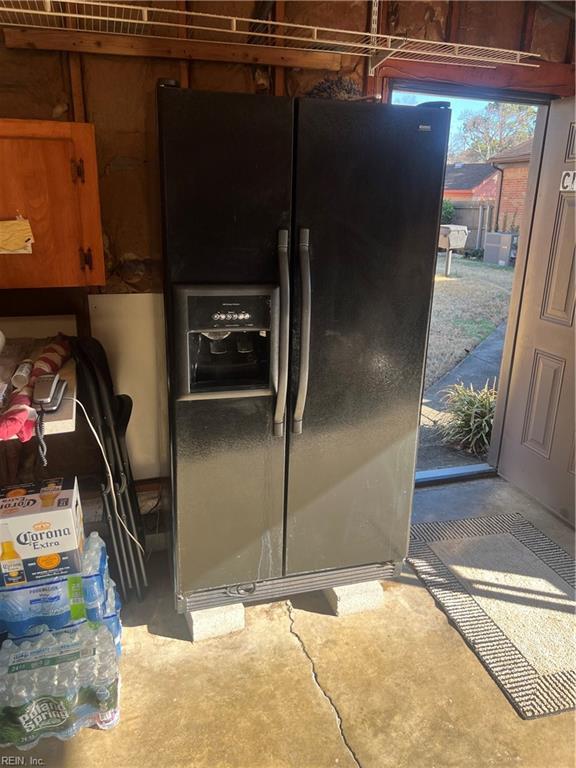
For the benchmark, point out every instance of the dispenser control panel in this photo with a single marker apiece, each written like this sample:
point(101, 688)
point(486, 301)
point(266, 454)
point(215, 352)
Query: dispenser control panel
point(242, 315)
point(207, 312)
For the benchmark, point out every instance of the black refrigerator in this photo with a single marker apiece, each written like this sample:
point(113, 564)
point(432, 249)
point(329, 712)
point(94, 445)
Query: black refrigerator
point(300, 245)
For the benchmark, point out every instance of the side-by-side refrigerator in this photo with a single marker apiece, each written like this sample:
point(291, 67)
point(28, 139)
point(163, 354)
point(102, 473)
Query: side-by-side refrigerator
point(300, 242)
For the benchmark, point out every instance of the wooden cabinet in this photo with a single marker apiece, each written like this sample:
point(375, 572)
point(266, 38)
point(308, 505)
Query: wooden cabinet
point(48, 175)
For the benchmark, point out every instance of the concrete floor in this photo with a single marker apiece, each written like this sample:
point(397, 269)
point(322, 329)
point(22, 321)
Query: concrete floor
point(298, 688)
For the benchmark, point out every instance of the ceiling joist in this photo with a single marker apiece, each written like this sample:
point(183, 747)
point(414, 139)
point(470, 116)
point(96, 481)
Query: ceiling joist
point(167, 48)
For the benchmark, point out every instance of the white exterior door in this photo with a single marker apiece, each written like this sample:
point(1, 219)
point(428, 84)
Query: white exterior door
point(537, 450)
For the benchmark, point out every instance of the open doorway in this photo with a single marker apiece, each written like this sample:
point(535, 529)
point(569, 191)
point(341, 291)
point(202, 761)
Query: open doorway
point(486, 186)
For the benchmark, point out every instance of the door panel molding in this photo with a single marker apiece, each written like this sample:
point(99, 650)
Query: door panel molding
point(571, 144)
point(542, 402)
point(558, 300)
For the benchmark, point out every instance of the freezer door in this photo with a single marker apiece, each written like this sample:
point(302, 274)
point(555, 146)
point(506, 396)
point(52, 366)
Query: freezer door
point(226, 167)
point(227, 172)
point(368, 195)
point(229, 489)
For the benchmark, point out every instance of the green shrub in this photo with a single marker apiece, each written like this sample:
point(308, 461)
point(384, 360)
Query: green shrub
point(474, 253)
point(448, 212)
point(469, 417)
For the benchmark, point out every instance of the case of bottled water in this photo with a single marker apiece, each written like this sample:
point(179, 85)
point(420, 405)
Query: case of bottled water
point(56, 683)
point(59, 665)
point(58, 602)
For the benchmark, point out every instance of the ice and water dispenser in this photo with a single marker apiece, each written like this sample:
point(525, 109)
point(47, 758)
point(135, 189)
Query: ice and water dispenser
point(227, 341)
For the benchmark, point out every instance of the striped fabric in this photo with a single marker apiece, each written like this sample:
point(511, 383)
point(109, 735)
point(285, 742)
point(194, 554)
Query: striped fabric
point(530, 693)
point(19, 418)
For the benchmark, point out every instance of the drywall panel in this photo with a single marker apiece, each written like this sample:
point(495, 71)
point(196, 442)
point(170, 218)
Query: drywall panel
point(131, 329)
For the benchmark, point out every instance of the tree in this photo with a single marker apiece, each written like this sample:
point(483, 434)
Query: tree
point(497, 128)
point(447, 212)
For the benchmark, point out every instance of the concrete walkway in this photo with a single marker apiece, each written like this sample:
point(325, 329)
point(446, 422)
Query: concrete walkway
point(480, 365)
point(396, 687)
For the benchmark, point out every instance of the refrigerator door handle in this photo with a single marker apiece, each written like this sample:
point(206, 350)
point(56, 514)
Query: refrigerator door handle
point(283, 345)
point(306, 308)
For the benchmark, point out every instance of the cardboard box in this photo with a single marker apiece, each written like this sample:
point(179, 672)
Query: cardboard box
point(41, 531)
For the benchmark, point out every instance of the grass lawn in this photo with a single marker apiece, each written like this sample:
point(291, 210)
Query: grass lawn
point(467, 307)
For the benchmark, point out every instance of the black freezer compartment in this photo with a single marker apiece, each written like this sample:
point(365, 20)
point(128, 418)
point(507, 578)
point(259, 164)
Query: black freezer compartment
point(229, 493)
point(226, 165)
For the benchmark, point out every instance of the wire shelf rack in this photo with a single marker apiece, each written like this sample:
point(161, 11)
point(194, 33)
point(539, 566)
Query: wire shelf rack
point(172, 23)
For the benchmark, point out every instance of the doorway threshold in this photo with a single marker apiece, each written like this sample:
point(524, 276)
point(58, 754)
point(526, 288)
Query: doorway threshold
point(427, 477)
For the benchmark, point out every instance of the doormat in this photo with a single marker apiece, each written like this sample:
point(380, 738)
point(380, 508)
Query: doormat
point(509, 590)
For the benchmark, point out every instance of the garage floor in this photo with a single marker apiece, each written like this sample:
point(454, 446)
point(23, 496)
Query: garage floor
point(391, 688)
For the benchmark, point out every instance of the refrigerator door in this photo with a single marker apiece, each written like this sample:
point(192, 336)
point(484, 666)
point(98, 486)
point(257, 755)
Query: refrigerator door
point(229, 489)
point(369, 184)
point(229, 469)
point(226, 179)
point(227, 175)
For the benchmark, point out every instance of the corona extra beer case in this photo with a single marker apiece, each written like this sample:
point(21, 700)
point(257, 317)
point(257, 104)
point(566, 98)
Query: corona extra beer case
point(41, 532)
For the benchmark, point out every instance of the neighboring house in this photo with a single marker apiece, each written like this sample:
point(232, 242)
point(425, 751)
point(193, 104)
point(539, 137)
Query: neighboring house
point(471, 181)
point(473, 189)
point(513, 165)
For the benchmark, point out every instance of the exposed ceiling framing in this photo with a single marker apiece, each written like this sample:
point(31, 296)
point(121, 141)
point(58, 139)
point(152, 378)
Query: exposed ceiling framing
point(170, 30)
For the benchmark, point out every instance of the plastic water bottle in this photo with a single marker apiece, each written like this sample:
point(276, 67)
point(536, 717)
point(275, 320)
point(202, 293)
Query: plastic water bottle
point(92, 552)
point(94, 573)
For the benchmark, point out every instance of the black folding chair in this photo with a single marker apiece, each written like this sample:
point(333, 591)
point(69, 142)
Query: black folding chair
point(110, 414)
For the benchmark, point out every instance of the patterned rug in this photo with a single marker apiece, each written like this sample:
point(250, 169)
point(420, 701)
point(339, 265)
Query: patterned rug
point(509, 590)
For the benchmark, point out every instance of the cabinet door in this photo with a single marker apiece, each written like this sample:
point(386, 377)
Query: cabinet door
point(38, 185)
point(49, 176)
